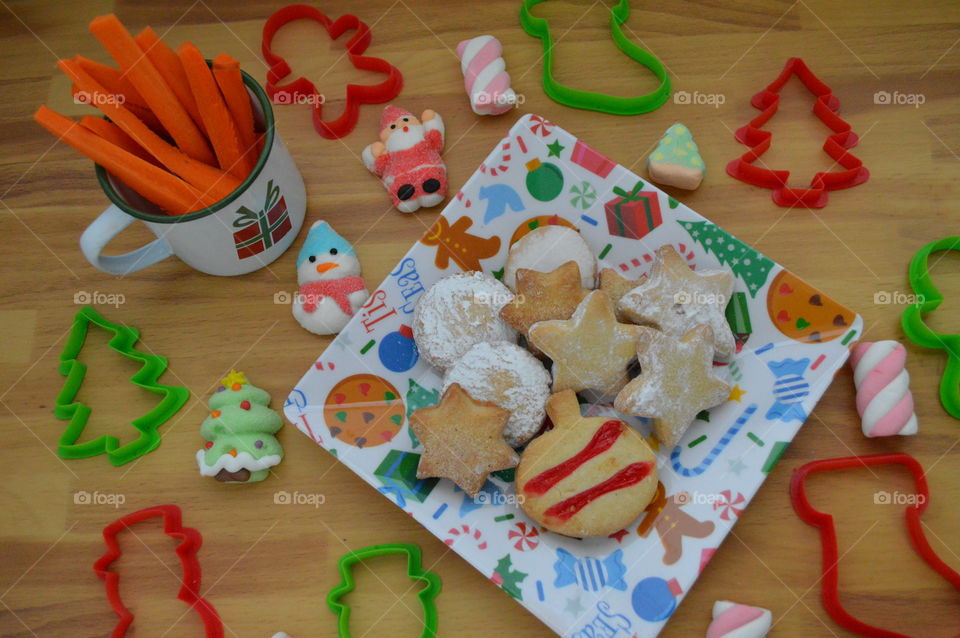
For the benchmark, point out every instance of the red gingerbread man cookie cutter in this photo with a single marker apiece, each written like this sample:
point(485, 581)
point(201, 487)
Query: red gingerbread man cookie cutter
point(303, 90)
point(836, 145)
point(190, 541)
point(828, 532)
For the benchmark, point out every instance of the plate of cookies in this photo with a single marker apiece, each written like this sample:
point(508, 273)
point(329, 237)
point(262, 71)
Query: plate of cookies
point(576, 382)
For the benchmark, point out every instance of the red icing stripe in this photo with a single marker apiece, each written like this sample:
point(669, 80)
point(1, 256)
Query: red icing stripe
point(602, 440)
point(630, 475)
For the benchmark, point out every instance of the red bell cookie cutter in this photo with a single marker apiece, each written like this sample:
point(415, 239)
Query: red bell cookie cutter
point(828, 533)
point(303, 90)
point(836, 145)
point(190, 541)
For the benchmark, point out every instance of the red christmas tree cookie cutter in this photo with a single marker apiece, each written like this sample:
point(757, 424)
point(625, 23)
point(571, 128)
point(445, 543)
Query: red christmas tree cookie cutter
point(836, 145)
point(303, 90)
point(828, 532)
point(190, 541)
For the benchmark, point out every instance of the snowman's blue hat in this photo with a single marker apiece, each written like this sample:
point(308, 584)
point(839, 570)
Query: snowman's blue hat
point(321, 238)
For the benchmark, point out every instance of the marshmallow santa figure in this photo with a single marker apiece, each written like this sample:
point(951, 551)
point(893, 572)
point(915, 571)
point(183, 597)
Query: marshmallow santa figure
point(331, 289)
point(407, 158)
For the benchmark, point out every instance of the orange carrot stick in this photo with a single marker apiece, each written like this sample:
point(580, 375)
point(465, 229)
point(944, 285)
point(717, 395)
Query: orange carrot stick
point(226, 70)
point(216, 117)
point(168, 64)
point(144, 113)
point(160, 187)
point(146, 116)
point(115, 135)
point(151, 85)
point(199, 175)
point(112, 79)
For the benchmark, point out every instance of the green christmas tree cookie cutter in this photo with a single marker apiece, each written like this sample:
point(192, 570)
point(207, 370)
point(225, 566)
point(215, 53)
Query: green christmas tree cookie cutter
point(592, 101)
point(929, 298)
point(415, 571)
point(67, 408)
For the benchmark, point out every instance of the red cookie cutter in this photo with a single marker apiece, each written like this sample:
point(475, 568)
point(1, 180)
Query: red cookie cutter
point(828, 533)
point(303, 90)
point(190, 541)
point(836, 145)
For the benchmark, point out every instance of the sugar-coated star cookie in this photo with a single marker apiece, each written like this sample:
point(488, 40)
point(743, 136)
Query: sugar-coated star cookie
point(591, 350)
point(544, 295)
point(462, 440)
point(676, 382)
point(675, 299)
point(588, 476)
point(616, 286)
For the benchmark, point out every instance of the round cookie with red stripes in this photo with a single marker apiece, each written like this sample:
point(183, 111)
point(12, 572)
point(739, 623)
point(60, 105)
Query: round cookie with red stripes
point(588, 476)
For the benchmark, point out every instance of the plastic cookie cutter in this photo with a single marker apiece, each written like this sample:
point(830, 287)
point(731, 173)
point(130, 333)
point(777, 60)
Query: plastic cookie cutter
point(66, 407)
point(836, 145)
point(929, 298)
point(828, 532)
point(617, 105)
point(189, 545)
point(415, 571)
point(303, 90)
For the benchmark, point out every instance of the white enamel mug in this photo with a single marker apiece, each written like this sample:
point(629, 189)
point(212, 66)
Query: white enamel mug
point(241, 233)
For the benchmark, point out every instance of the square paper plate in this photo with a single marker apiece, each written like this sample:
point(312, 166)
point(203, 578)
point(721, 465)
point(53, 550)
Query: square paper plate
point(355, 399)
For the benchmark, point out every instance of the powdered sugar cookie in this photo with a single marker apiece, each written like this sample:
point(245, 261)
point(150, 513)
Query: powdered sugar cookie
point(676, 299)
point(546, 248)
point(457, 312)
point(509, 376)
point(676, 382)
point(588, 476)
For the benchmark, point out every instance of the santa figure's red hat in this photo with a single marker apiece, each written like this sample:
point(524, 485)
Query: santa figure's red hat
point(391, 114)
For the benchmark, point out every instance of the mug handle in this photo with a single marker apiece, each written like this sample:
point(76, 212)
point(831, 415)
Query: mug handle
point(104, 228)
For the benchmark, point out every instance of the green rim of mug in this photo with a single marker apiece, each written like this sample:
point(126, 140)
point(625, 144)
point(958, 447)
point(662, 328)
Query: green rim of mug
point(119, 202)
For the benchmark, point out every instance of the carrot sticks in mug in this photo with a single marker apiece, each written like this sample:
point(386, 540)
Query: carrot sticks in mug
point(180, 134)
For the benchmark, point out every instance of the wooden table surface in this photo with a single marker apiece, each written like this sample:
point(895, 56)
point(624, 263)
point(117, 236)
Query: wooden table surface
point(267, 567)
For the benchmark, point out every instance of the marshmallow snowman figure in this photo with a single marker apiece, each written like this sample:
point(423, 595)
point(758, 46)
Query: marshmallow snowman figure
point(331, 289)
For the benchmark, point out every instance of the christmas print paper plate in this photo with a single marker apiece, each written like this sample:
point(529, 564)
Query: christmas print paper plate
point(355, 399)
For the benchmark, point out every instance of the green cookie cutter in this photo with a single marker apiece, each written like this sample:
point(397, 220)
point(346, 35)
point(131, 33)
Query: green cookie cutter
point(67, 408)
point(929, 298)
point(614, 104)
point(414, 570)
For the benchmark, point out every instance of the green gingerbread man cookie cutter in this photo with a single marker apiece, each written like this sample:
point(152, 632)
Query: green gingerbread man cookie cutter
point(77, 414)
point(614, 104)
point(929, 298)
point(415, 571)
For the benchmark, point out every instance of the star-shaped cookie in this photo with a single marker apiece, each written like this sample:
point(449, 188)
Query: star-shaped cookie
point(676, 299)
point(591, 350)
point(616, 286)
point(676, 382)
point(544, 295)
point(462, 440)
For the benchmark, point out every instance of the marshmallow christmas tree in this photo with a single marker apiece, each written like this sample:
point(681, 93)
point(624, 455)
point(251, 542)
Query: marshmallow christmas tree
point(676, 161)
point(239, 441)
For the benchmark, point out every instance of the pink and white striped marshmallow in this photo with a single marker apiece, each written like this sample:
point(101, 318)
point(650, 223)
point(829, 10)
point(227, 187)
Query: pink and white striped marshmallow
point(485, 76)
point(884, 400)
point(733, 620)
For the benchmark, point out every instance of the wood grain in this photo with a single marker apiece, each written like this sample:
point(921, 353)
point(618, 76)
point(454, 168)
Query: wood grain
point(267, 567)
